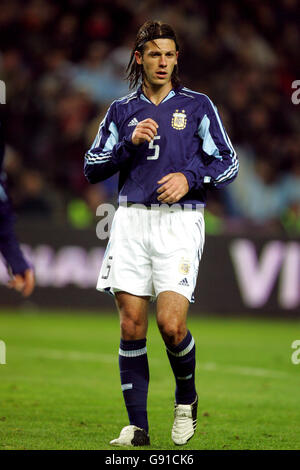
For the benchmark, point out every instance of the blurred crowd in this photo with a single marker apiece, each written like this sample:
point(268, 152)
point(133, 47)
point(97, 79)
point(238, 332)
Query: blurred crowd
point(63, 62)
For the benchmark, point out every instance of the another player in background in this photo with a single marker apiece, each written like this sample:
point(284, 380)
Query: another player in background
point(19, 269)
point(169, 145)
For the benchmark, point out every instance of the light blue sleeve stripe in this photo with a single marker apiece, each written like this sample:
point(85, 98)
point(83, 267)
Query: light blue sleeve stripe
point(89, 162)
point(97, 140)
point(211, 149)
point(97, 159)
point(113, 138)
point(229, 175)
point(233, 168)
point(208, 146)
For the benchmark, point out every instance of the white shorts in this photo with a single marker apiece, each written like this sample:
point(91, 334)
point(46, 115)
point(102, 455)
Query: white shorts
point(151, 251)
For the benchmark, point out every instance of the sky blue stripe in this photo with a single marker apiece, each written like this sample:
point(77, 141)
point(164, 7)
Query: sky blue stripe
point(97, 160)
point(230, 174)
point(227, 172)
point(234, 164)
point(97, 156)
point(113, 138)
point(208, 143)
point(97, 140)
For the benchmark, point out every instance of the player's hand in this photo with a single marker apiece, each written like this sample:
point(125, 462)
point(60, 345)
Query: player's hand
point(23, 283)
point(144, 130)
point(174, 187)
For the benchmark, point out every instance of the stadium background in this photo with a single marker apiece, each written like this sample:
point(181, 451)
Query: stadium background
point(63, 63)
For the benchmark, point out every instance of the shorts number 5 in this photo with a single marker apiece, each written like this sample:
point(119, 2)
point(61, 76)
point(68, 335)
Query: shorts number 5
point(108, 266)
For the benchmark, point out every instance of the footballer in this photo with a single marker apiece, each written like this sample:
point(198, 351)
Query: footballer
point(169, 145)
point(22, 275)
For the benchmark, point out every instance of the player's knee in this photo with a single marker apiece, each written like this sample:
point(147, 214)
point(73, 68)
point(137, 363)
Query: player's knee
point(131, 327)
point(172, 332)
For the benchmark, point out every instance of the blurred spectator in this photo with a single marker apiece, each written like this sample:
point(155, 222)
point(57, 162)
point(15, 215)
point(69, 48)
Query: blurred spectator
point(34, 201)
point(99, 74)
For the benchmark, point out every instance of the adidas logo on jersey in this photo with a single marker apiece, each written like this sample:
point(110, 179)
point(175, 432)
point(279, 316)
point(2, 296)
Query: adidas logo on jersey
point(133, 122)
point(184, 282)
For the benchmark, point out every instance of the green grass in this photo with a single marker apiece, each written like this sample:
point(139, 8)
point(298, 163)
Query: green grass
point(60, 387)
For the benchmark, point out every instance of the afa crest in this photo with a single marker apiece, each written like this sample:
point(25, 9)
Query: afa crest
point(179, 120)
point(184, 266)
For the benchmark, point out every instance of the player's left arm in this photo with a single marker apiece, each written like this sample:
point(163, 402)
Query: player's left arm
point(221, 169)
point(223, 164)
point(173, 187)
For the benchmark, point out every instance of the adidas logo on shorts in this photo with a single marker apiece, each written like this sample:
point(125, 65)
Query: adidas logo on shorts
point(184, 282)
point(133, 122)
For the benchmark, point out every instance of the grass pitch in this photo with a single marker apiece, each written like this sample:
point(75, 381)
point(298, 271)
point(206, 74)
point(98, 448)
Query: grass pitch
point(60, 387)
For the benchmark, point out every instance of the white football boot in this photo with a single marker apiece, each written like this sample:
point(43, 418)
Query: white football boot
point(132, 436)
point(185, 422)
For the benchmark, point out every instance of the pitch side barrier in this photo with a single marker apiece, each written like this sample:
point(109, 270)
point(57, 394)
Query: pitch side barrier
point(257, 276)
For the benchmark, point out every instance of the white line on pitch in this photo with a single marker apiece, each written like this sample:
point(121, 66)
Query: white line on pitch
point(244, 370)
point(111, 359)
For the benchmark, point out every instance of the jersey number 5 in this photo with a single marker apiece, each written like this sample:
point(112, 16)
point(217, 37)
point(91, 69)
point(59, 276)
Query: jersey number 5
point(155, 147)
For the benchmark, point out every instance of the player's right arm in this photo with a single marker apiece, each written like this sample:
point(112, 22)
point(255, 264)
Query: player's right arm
point(146, 130)
point(108, 153)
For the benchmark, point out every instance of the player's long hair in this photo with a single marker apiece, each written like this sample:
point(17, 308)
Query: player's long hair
point(148, 32)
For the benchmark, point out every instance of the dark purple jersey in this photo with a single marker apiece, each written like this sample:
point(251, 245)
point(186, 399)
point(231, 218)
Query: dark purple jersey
point(190, 139)
point(9, 246)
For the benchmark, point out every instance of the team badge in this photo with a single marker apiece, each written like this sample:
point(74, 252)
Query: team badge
point(184, 266)
point(179, 120)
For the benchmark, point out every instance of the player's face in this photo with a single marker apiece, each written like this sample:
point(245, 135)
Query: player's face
point(158, 60)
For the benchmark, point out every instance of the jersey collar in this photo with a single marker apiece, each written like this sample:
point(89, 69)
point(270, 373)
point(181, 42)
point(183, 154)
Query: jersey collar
point(171, 93)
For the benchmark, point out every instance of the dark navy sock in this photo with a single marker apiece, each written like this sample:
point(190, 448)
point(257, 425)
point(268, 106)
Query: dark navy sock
point(183, 362)
point(134, 372)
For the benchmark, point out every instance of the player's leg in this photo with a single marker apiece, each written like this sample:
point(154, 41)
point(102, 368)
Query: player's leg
point(171, 314)
point(172, 309)
point(134, 370)
point(133, 312)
